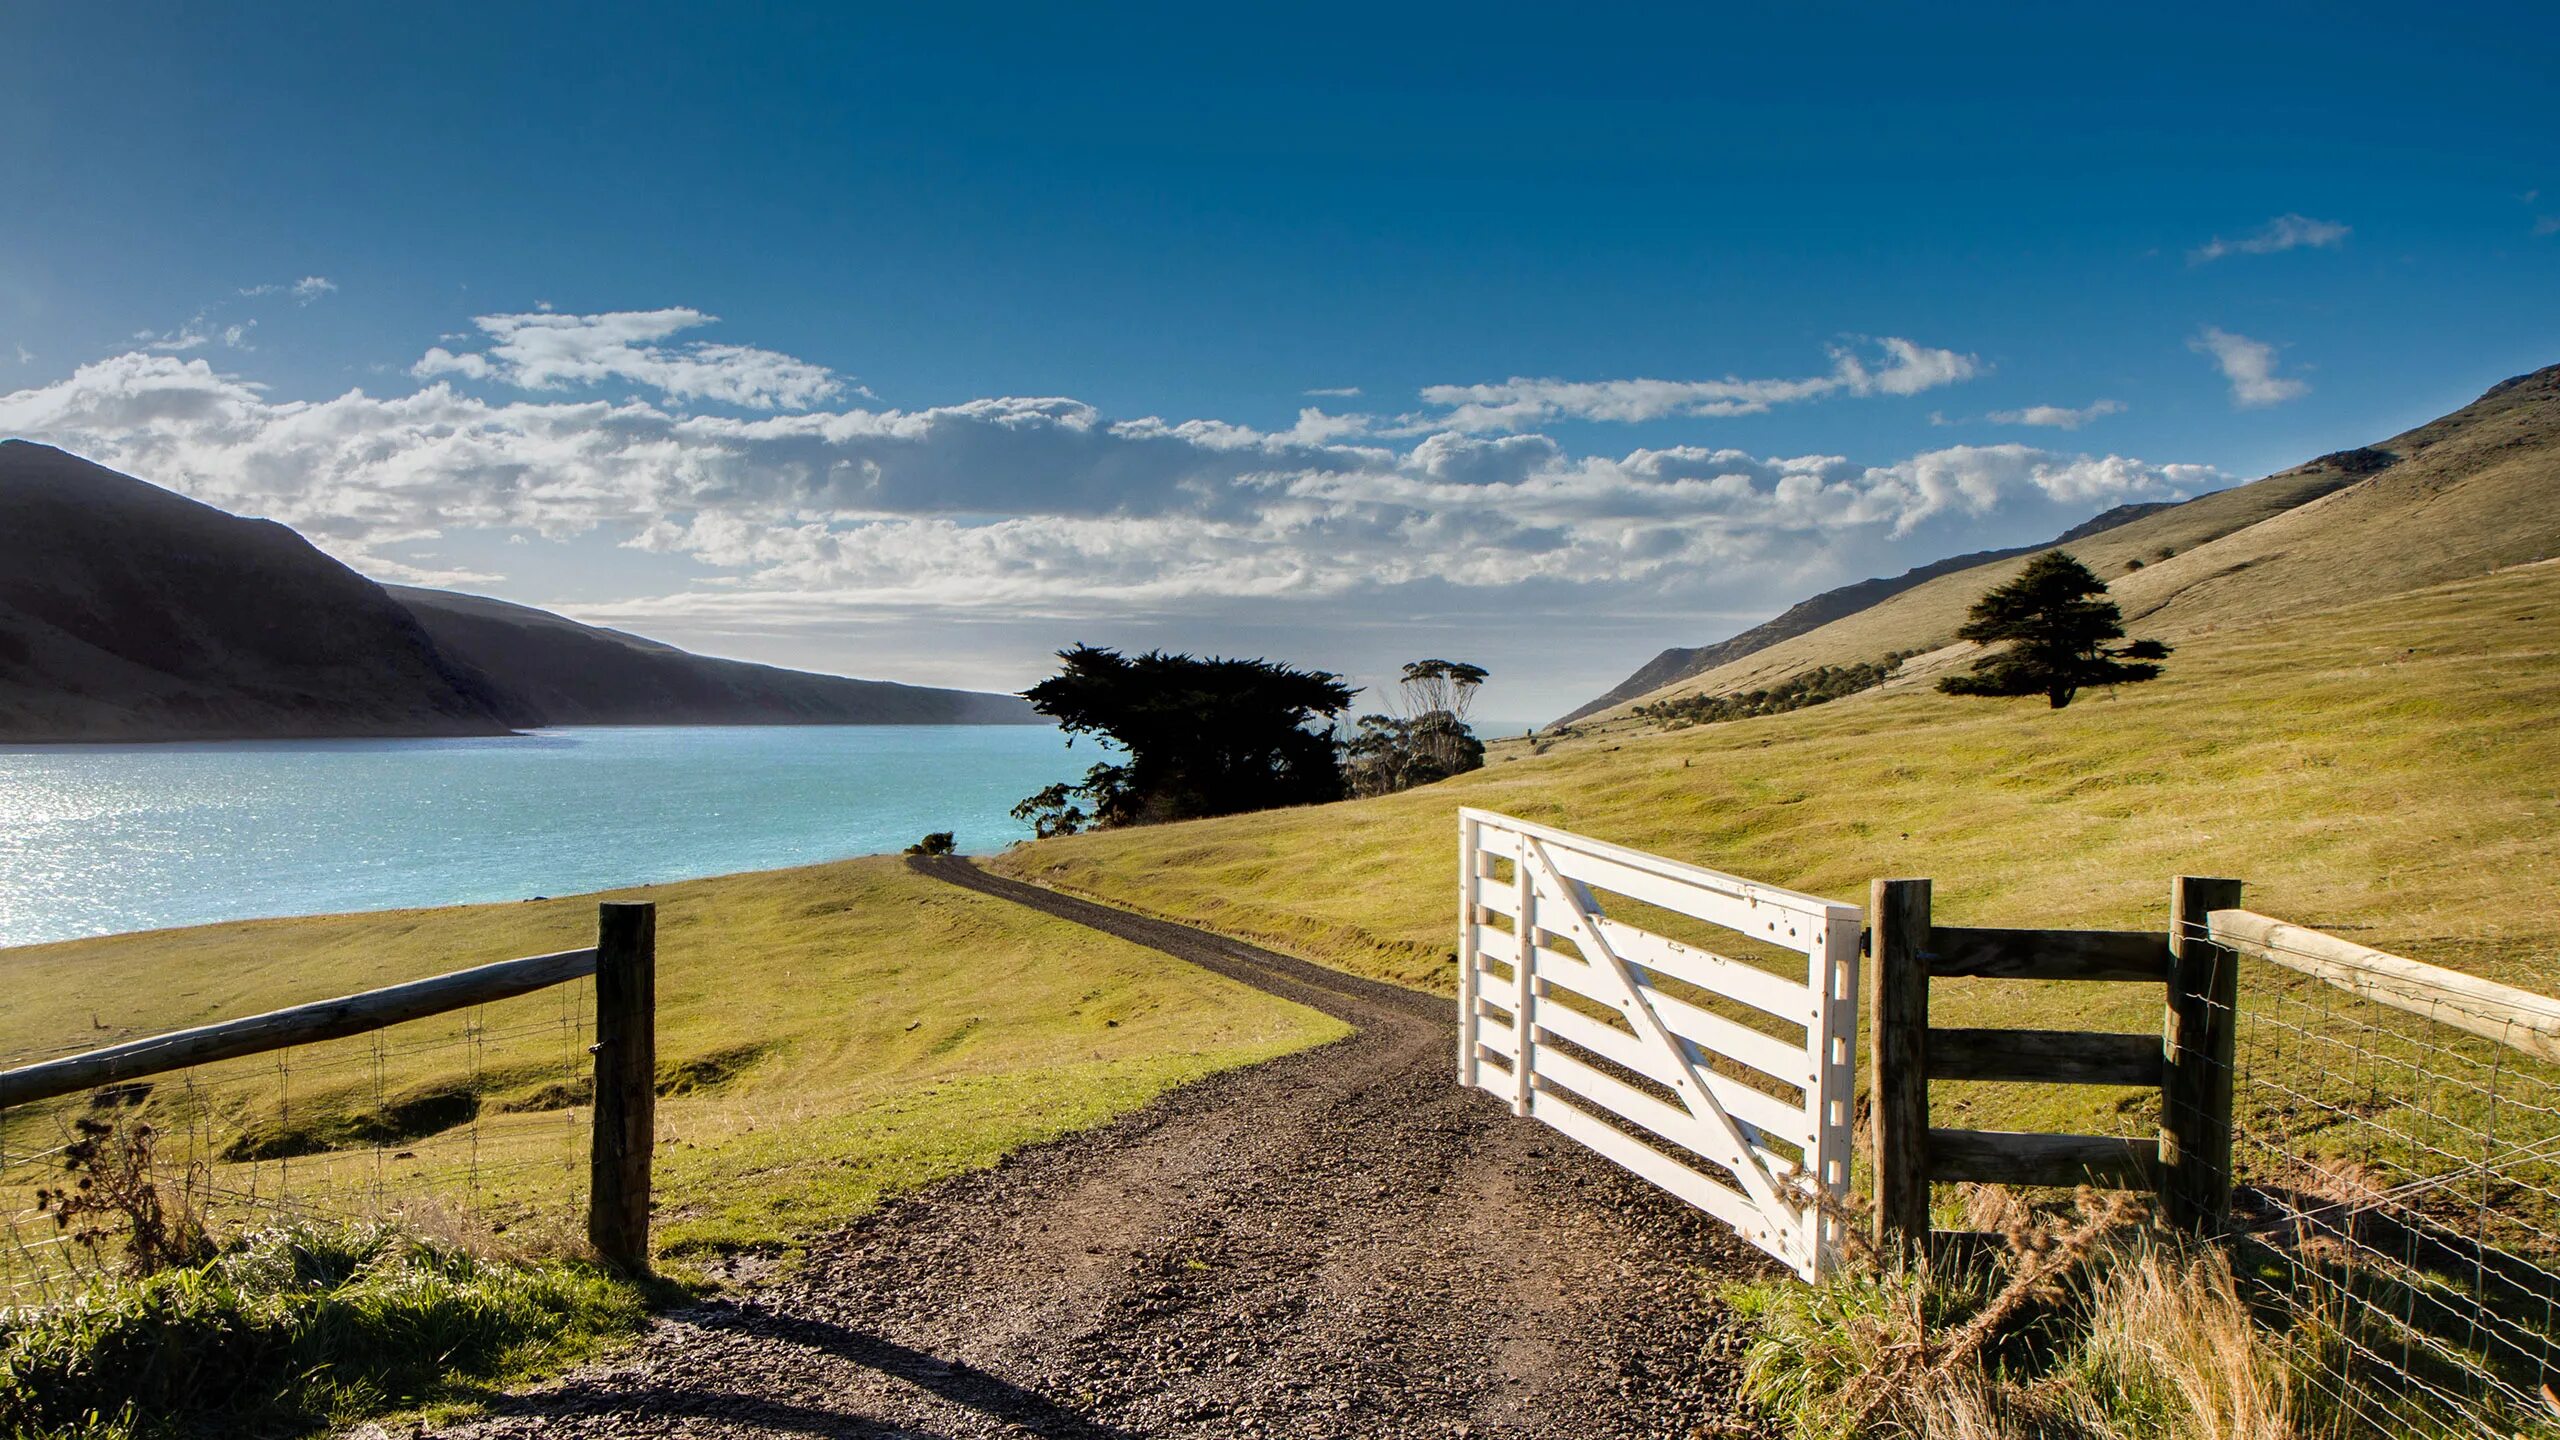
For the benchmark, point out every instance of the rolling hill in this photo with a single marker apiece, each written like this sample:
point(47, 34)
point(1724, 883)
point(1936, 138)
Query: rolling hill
point(1680, 662)
point(542, 664)
point(2466, 493)
point(128, 612)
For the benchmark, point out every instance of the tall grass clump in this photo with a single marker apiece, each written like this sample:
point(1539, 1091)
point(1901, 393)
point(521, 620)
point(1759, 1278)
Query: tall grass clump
point(298, 1326)
point(2088, 1326)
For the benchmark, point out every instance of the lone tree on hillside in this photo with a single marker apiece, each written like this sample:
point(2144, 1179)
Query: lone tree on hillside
point(1204, 737)
point(1426, 739)
point(2055, 629)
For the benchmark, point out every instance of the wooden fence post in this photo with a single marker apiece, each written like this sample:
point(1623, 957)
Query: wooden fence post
point(1898, 1087)
point(626, 1077)
point(2196, 1051)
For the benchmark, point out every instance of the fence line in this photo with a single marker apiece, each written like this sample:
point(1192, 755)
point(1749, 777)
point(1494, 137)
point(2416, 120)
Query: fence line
point(393, 1103)
point(2396, 1169)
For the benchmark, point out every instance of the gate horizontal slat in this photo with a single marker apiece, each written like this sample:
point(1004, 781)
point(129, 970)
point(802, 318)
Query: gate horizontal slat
point(1780, 1059)
point(1762, 1110)
point(1734, 979)
point(1603, 1091)
point(1726, 1204)
point(1784, 1062)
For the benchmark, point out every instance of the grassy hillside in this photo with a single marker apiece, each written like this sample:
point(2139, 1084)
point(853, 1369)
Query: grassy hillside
point(2461, 495)
point(2389, 770)
point(828, 1035)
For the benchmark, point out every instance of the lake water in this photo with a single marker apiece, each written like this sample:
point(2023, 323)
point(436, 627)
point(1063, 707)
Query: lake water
point(96, 839)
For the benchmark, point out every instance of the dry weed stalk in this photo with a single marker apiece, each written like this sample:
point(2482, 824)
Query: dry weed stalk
point(2041, 1254)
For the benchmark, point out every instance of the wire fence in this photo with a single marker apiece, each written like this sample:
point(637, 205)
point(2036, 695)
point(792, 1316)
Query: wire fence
point(463, 1126)
point(2396, 1187)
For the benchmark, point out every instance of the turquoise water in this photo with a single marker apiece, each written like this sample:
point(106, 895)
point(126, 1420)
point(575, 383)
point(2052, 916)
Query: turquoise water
point(96, 839)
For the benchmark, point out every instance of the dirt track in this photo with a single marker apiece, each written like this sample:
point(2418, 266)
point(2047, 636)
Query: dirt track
point(1339, 1243)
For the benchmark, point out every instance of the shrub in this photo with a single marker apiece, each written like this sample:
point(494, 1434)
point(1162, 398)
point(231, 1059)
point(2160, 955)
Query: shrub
point(936, 842)
point(297, 1326)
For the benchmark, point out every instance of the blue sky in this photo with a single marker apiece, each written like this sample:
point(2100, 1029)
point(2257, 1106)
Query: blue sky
point(919, 346)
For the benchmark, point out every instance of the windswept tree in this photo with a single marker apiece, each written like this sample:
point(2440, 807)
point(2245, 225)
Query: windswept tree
point(2054, 632)
point(1202, 737)
point(1426, 740)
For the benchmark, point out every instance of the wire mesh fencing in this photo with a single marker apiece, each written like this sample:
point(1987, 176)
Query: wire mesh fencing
point(2396, 1187)
point(464, 1126)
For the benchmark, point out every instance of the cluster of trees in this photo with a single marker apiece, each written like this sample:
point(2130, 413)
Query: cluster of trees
point(1820, 685)
point(1425, 739)
point(1206, 737)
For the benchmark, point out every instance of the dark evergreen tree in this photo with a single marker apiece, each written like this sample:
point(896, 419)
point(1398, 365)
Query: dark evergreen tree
point(1203, 737)
point(2054, 630)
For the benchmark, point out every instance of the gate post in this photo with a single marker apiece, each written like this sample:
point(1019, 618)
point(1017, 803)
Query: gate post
point(1524, 972)
point(626, 1078)
point(1469, 917)
point(1898, 1038)
point(2197, 1038)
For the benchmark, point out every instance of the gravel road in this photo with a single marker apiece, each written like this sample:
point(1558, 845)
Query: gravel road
point(1338, 1243)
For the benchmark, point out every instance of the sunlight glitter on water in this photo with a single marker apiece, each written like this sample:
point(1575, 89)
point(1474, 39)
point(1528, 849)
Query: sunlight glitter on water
point(96, 839)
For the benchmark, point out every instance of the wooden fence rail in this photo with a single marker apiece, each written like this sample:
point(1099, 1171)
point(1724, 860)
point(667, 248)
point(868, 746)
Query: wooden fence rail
point(624, 964)
point(2519, 1018)
point(2188, 1164)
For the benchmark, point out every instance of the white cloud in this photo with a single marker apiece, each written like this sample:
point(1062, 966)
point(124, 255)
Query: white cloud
point(303, 291)
point(2057, 417)
point(2250, 366)
point(2546, 225)
point(1016, 503)
point(26, 356)
point(545, 351)
point(1335, 392)
point(1519, 403)
point(191, 336)
point(2285, 232)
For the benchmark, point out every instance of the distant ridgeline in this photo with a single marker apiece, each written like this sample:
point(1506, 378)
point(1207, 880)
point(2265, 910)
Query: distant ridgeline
point(131, 613)
point(2472, 491)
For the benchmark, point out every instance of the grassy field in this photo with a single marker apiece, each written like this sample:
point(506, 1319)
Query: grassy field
point(2388, 771)
point(827, 1036)
point(2469, 494)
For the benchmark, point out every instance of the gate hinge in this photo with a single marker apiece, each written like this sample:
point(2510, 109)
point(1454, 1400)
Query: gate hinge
point(1866, 940)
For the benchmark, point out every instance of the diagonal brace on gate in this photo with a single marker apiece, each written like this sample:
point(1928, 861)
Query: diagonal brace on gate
point(1716, 1134)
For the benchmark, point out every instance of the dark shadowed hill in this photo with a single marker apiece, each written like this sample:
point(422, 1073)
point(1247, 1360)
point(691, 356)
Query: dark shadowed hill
point(1682, 661)
point(573, 674)
point(131, 613)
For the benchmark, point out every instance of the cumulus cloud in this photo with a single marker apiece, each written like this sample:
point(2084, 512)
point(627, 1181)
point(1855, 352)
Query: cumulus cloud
point(2250, 366)
point(2285, 232)
point(542, 350)
point(2057, 417)
point(1335, 392)
point(1023, 504)
point(1901, 367)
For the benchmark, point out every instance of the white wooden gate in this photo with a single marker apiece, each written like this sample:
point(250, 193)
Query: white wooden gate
point(1723, 1082)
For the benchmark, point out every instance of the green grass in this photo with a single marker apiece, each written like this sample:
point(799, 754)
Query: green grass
point(2471, 493)
point(827, 1037)
point(299, 1327)
point(2388, 771)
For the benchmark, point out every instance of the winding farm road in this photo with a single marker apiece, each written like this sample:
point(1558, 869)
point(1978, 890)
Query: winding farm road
point(1338, 1243)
